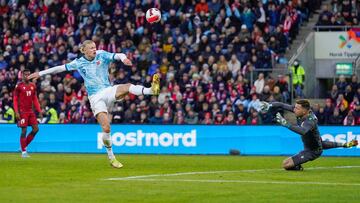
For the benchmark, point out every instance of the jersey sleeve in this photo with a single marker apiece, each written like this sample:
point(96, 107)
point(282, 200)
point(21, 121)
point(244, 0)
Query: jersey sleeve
point(107, 56)
point(305, 127)
point(73, 65)
point(283, 106)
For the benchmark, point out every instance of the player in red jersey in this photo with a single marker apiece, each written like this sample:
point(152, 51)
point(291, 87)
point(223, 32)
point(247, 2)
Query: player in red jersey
point(24, 98)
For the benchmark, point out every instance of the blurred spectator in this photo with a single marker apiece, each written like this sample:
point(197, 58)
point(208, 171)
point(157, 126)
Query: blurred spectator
point(191, 117)
point(51, 115)
point(254, 118)
point(336, 118)
point(298, 78)
point(341, 84)
point(349, 119)
point(156, 119)
point(259, 83)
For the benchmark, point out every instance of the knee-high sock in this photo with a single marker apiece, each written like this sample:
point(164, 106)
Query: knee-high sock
point(108, 145)
point(30, 137)
point(329, 144)
point(139, 90)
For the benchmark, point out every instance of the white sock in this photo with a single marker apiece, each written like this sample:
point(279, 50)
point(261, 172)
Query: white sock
point(108, 145)
point(139, 90)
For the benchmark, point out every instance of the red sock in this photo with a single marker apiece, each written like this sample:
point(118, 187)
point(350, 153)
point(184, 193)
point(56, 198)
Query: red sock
point(23, 143)
point(29, 138)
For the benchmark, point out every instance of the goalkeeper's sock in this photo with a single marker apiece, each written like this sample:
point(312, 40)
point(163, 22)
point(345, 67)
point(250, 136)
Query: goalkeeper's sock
point(139, 90)
point(108, 145)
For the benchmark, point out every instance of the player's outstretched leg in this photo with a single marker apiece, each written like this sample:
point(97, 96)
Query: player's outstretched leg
point(105, 125)
point(124, 89)
point(329, 144)
point(24, 153)
point(350, 144)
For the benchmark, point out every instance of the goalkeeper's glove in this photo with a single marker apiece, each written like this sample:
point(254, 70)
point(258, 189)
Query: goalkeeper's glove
point(281, 120)
point(264, 107)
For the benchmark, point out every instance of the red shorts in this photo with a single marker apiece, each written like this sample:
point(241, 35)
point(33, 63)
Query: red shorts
point(27, 119)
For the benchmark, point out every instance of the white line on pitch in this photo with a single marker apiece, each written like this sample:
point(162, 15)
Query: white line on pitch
point(242, 181)
point(221, 172)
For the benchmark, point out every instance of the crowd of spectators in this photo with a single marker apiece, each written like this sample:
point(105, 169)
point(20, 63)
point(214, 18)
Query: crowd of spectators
point(339, 13)
point(209, 54)
point(342, 107)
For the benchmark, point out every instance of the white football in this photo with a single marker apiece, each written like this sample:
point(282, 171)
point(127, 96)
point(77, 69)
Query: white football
point(153, 15)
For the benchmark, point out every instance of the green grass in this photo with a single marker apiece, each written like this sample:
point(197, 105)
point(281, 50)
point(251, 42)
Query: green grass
point(81, 178)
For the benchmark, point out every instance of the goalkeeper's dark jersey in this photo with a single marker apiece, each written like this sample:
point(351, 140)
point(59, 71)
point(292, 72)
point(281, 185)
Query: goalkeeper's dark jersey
point(306, 127)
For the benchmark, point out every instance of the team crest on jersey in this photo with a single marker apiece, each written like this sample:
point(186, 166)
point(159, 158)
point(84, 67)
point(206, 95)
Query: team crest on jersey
point(98, 62)
point(32, 88)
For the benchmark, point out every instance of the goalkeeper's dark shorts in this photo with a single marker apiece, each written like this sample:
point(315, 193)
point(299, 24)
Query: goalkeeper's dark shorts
point(305, 156)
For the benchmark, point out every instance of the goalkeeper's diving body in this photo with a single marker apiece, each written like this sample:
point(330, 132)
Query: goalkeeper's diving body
point(93, 67)
point(307, 128)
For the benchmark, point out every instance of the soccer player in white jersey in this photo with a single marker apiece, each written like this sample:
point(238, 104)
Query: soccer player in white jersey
point(93, 67)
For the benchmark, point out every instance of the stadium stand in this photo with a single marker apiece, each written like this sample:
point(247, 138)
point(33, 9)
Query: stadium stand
point(215, 57)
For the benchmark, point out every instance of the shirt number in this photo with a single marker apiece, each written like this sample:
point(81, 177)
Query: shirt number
point(28, 93)
point(83, 71)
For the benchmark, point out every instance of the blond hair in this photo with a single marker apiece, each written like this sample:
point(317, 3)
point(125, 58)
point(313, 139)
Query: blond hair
point(83, 45)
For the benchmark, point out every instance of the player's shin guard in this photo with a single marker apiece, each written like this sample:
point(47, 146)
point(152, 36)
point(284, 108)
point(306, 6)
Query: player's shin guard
point(108, 145)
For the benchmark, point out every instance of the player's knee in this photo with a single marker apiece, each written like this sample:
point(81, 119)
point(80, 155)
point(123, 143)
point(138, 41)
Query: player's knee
point(35, 130)
point(23, 132)
point(128, 85)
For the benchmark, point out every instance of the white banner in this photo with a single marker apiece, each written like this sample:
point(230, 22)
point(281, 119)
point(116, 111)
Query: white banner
point(337, 45)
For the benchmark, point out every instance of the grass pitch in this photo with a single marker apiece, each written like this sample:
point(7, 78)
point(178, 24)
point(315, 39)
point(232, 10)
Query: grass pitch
point(153, 178)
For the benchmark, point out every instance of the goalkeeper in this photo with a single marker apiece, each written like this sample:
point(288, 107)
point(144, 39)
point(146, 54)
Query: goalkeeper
point(308, 129)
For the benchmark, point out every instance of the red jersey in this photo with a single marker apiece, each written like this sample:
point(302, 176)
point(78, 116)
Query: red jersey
point(24, 98)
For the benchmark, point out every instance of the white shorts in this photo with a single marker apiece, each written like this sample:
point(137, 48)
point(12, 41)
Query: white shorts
point(103, 100)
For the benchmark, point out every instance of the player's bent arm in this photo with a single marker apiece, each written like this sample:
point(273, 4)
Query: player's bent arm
point(306, 127)
point(282, 106)
point(56, 69)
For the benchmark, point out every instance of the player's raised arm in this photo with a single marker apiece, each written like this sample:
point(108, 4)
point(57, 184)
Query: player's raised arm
point(265, 107)
point(56, 69)
point(283, 106)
